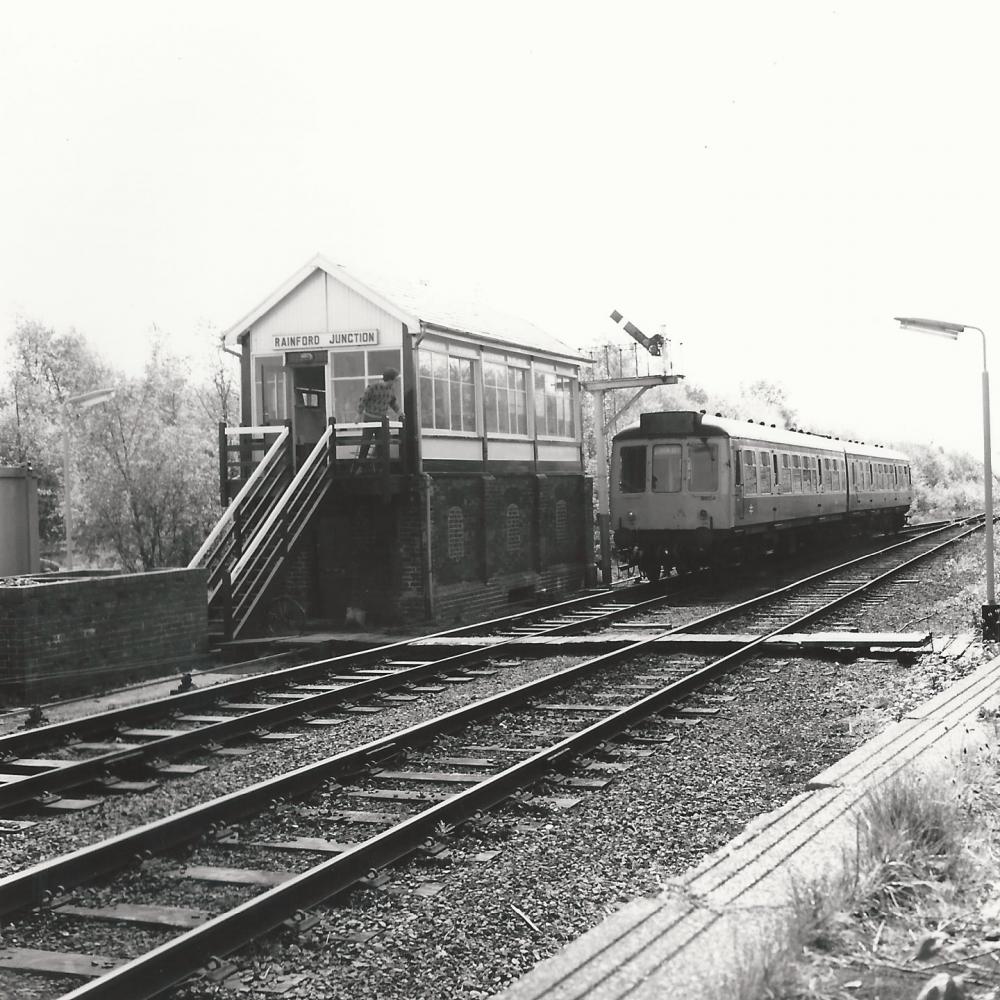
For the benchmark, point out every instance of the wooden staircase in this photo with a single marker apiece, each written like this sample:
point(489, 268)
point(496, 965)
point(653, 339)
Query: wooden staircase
point(253, 539)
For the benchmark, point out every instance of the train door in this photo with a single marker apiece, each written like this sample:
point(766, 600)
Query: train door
point(739, 507)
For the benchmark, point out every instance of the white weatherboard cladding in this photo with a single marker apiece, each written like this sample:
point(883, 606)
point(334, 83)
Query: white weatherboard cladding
point(321, 304)
point(510, 451)
point(550, 452)
point(458, 449)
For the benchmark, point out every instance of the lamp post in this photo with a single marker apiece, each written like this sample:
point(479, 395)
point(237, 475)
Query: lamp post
point(940, 328)
point(83, 401)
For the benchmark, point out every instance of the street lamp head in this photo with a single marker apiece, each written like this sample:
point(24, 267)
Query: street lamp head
point(87, 399)
point(936, 326)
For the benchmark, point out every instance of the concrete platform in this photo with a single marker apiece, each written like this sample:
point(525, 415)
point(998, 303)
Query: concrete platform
point(687, 940)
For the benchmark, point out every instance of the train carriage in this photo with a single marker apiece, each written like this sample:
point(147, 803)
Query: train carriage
point(689, 490)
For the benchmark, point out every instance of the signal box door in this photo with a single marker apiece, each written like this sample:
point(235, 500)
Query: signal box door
point(308, 408)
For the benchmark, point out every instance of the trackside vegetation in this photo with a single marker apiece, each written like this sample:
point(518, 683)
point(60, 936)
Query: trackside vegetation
point(913, 912)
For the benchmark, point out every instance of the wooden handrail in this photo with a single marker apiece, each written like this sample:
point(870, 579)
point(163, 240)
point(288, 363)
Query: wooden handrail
point(229, 512)
point(264, 530)
point(257, 431)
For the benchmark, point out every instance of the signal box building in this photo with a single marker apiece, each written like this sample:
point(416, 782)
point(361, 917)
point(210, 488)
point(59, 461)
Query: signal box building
point(474, 500)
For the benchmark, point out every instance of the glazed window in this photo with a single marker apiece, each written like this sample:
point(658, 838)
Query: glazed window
point(447, 392)
point(351, 372)
point(555, 404)
point(633, 469)
point(765, 472)
point(749, 474)
point(704, 464)
point(272, 390)
point(505, 394)
point(796, 473)
point(666, 468)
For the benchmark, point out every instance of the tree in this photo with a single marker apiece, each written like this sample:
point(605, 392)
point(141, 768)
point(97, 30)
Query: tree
point(151, 493)
point(145, 469)
point(45, 368)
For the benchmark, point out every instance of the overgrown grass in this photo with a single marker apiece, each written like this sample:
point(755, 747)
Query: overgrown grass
point(926, 854)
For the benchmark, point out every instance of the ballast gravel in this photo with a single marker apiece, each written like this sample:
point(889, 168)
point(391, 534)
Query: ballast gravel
point(531, 878)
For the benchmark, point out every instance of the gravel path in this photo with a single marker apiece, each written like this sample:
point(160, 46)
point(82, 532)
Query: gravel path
point(532, 879)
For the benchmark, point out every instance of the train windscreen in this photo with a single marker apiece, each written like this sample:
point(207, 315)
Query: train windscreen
point(633, 469)
point(704, 475)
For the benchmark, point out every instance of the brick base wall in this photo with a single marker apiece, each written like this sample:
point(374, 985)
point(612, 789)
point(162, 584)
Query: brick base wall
point(482, 542)
point(71, 636)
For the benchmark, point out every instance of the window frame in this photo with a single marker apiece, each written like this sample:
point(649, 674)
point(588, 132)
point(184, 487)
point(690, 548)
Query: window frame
point(430, 352)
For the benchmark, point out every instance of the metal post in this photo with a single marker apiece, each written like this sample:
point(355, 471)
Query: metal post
point(68, 507)
point(603, 505)
point(223, 466)
point(988, 490)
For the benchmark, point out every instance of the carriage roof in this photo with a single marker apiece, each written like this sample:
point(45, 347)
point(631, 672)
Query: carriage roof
point(689, 423)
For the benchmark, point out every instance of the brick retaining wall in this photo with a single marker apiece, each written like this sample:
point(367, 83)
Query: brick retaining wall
point(69, 636)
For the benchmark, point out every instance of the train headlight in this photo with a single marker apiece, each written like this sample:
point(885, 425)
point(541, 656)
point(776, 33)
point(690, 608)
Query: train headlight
point(630, 517)
point(702, 515)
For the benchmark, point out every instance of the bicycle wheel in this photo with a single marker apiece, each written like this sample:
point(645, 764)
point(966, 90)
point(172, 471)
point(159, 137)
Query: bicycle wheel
point(285, 616)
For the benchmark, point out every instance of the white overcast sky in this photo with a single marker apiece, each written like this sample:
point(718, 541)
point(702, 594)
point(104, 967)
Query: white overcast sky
point(771, 181)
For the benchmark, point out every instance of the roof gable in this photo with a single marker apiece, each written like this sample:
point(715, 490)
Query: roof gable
point(416, 304)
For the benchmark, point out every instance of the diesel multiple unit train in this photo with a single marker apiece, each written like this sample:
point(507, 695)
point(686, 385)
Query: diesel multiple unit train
point(689, 490)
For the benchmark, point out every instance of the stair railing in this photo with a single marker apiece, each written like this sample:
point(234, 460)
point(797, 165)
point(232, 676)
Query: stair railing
point(241, 519)
point(266, 552)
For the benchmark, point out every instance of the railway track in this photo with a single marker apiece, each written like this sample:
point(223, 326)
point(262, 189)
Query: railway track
point(492, 750)
point(127, 750)
point(124, 749)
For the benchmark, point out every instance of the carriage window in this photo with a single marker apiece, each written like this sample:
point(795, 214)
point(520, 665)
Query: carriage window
point(633, 469)
point(786, 475)
point(765, 472)
point(704, 475)
point(666, 468)
point(796, 474)
point(749, 473)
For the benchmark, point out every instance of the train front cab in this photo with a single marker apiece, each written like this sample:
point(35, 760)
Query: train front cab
point(670, 496)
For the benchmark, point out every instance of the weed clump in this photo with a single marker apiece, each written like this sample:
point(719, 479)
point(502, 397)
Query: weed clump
point(911, 837)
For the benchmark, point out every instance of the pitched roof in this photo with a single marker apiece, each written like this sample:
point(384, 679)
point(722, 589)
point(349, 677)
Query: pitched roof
point(417, 303)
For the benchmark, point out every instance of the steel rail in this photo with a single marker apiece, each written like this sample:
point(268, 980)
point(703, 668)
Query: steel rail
point(169, 964)
point(33, 885)
point(31, 740)
point(32, 787)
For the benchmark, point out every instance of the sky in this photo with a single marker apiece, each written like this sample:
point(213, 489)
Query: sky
point(769, 182)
